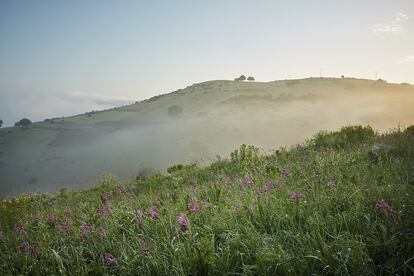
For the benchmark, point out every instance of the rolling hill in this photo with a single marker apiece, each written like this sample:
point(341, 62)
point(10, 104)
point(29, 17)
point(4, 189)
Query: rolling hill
point(194, 124)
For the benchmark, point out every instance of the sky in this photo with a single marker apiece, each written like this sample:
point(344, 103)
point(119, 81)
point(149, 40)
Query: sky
point(60, 58)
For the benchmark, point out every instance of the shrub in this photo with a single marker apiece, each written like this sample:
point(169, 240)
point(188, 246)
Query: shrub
point(23, 122)
point(346, 137)
point(241, 78)
point(250, 78)
point(1, 122)
point(180, 167)
point(175, 110)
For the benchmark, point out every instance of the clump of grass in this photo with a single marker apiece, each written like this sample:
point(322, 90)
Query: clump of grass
point(338, 204)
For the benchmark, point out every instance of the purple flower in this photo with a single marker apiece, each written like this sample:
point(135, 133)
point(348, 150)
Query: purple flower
point(68, 213)
point(236, 207)
point(331, 184)
point(182, 220)
point(145, 250)
point(102, 232)
point(154, 212)
point(192, 206)
point(227, 180)
point(247, 181)
point(65, 226)
point(105, 198)
point(99, 209)
point(266, 188)
point(296, 195)
point(85, 229)
point(139, 214)
point(284, 172)
point(25, 247)
point(382, 205)
point(51, 218)
point(20, 229)
point(109, 259)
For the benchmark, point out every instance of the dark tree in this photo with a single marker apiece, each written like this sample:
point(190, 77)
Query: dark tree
point(1, 122)
point(342, 76)
point(241, 78)
point(23, 122)
point(250, 78)
point(175, 110)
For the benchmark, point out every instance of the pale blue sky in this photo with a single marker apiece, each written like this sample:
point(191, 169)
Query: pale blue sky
point(67, 57)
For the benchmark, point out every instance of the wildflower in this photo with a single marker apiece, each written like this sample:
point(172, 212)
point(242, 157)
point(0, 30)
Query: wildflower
point(331, 183)
point(68, 213)
point(65, 226)
point(192, 206)
point(144, 248)
point(157, 198)
point(208, 205)
point(102, 232)
point(51, 218)
point(120, 190)
point(109, 259)
point(154, 212)
point(236, 207)
point(227, 180)
point(382, 205)
point(25, 247)
point(139, 214)
point(105, 198)
point(99, 209)
point(266, 188)
point(85, 229)
point(247, 181)
point(296, 195)
point(284, 172)
point(182, 220)
point(20, 229)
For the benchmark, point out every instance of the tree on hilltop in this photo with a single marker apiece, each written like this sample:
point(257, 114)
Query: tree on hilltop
point(250, 78)
point(23, 122)
point(1, 122)
point(241, 78)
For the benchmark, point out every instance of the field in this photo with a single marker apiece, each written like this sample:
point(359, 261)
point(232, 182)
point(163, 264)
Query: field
point(339, 203)
point(216, 117)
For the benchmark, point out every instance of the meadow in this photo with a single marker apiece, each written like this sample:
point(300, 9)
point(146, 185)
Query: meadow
point(339, 203)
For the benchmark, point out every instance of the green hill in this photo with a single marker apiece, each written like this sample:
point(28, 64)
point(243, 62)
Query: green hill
point(340, 204)
point(196, 123)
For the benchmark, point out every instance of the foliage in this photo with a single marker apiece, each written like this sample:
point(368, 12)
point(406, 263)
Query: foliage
point(241, 78)
point(250, 78)
point(175, 110)
point(1, 122)
point(23, 122)
point(324, 207)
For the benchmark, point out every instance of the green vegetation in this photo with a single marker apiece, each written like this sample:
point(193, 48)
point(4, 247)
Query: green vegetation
point(1, 122)
point(341, 203)
point(23, 122)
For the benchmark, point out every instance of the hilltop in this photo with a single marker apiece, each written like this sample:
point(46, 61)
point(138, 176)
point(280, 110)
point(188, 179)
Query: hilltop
point(194, 124)
point(339, 204)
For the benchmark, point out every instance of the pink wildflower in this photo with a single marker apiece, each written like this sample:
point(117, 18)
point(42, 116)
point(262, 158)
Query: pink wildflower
point(20, 229)
point(85, 229)
point(68, 213)
point(145, 250)
point(296, 195)
point(284, 172)
point(102, 232)
point(154, 212)
point(192, 206)
point(65, 226)
point(382, 205)
point(227, 180)
point(182, 220)
point(236, 207)
point(109, 259)
point(247, 181)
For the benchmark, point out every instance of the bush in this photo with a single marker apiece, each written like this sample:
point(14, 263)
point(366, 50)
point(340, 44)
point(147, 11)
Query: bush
point(346, 137)
point(241, 78)
point(23, 122)
point(175, 110)
point(250, 78)
point(1, 122)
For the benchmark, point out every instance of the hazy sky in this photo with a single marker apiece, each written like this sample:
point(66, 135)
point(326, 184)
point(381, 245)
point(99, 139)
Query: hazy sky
point(67, 57)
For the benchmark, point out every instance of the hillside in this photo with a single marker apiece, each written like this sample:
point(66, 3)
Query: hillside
point(340, 204)
point(215, 118)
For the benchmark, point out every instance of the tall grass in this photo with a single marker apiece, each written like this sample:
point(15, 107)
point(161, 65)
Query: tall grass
point(342, 203)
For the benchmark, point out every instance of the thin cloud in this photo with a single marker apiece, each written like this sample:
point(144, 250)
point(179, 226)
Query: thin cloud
point(407, 59)
point(98, 99)
point(394, 26)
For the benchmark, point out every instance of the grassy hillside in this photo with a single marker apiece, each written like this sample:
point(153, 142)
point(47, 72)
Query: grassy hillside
point(215, 118)
point(342, 203)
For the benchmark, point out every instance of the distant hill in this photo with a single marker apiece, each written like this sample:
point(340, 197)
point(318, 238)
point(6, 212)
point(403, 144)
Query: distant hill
point(196, 123)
